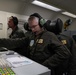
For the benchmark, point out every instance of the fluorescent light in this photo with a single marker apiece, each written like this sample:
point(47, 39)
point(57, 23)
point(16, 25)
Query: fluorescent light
point(45, 5)
point(69, 14)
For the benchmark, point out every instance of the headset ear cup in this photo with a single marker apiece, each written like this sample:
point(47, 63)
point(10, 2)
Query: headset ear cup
point(15, 20)
point(26, 27)
point(42, 22)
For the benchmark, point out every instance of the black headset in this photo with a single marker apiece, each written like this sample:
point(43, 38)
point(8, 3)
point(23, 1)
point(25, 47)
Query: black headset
point(26, 27)
point(15, 20)
point(41, 20)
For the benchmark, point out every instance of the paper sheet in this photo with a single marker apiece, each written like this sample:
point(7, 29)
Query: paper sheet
point(19, 61)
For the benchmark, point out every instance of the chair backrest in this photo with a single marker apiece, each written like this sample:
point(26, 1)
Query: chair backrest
point(54, 26)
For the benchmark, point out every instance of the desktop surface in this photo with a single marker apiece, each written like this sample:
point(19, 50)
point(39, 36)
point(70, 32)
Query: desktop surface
point(33, 68)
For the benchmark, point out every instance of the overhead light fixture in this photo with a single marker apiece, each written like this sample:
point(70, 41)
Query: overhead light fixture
point(36, 2)
point(69, 14)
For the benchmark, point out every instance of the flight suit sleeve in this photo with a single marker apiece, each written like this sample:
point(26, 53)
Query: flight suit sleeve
point(14, 43)
point(72, 65)
point(61, 53)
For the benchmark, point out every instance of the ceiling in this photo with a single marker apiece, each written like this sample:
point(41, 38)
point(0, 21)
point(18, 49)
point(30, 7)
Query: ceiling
point(65, 5)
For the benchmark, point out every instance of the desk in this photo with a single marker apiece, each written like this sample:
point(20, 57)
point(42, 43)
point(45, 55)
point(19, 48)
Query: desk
point(31, 69)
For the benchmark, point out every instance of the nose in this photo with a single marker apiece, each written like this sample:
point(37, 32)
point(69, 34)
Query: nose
point(33, 30)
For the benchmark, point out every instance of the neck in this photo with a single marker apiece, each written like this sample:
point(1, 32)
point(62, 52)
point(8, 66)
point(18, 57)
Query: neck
point(37, 33)
point(13, 28)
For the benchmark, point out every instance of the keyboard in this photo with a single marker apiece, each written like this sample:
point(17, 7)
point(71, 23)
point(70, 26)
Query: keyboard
point(5, 69)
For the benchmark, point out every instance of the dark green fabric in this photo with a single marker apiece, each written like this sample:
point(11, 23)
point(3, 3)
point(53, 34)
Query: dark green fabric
point(50, 52)
point(71, 63)
point(17, 33)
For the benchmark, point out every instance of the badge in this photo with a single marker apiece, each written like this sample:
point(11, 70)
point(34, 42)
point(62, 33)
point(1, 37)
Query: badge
point(64, 42)
point(40, 40)
point(31, 42)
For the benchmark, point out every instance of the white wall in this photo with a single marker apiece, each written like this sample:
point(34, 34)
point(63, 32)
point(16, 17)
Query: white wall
point(22, 10)
point(4, 19)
